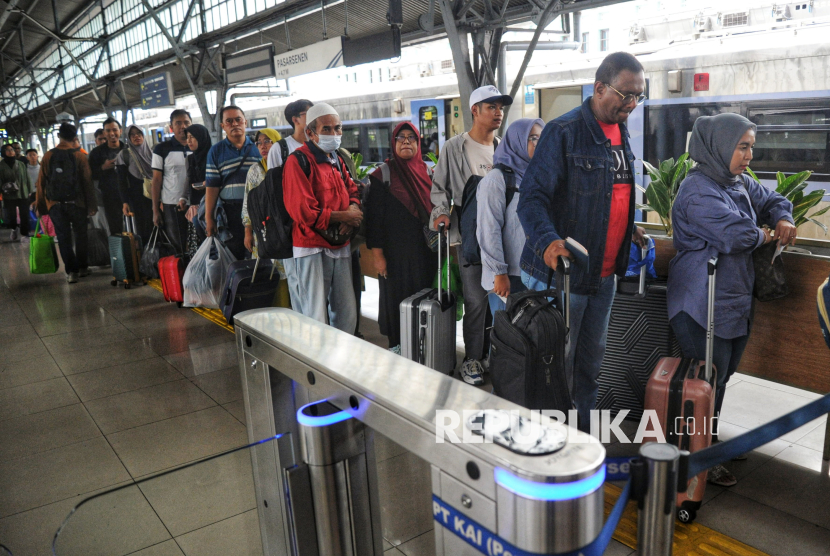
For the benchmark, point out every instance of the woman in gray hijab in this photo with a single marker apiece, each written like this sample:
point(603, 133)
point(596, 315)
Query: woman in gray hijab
point(133, 166)
point(718, 212)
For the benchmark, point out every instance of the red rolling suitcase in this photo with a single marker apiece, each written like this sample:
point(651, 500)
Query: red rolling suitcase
point(682, 392)
point(171, 272)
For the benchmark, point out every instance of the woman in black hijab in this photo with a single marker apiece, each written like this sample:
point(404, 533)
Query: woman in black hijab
point(718, 213)
point(198, 140)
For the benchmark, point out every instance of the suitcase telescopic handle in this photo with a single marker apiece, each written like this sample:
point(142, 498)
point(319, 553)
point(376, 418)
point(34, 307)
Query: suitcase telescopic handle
point(641, 291)
point(565, 265)
point(441, 233)
point(712, 266)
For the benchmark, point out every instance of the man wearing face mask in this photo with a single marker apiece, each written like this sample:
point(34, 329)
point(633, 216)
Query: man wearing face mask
point(322, 199)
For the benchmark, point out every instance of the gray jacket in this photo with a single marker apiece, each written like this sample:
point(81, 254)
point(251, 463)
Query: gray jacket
point(451, 173)
point(499, 232)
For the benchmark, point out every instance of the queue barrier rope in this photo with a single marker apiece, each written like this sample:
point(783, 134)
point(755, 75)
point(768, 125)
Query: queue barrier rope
point(725, 451)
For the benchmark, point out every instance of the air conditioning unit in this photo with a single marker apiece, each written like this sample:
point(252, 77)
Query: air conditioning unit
point(702, 23)
point(425, 70)
point(447, 66)
point(636, 34)
point(734, 19)
point(781, 12)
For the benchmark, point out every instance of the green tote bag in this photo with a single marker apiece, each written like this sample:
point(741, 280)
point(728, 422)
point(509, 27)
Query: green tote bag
point(43, 257)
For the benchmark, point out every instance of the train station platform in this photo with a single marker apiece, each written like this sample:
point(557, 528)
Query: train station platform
point(101, 386)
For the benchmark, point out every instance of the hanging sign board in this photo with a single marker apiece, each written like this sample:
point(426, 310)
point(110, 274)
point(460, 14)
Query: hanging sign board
point(157, 91)
point(309, 59)
point(250, 65)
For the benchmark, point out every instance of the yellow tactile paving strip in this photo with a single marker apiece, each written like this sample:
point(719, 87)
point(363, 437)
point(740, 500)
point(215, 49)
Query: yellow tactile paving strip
point(213, 315)
point(690, 539)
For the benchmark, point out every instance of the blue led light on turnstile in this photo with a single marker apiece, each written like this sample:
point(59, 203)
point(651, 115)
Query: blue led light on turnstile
point(323, 421)
point(549, 491)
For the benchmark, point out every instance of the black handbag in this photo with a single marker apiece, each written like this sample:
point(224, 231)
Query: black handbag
point(770, 282)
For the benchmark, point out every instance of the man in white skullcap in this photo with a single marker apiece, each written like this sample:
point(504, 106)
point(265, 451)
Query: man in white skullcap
point(324, 204)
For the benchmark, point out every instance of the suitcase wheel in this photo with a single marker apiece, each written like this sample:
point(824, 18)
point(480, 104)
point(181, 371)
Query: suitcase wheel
point(686, 515)
point(179, 304)
point(114, 283)
point(127, 285)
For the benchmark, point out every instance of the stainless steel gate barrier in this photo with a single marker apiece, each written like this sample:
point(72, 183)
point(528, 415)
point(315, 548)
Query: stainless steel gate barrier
point(509, 486)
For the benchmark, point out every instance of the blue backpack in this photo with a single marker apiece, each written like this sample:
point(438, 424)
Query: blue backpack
point(470, 248)
point(823, 303)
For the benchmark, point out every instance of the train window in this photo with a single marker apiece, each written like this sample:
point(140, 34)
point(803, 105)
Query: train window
point(428, 128)
point(791, 140)
point(378, 142)
point(351, 139)
point(668, 128)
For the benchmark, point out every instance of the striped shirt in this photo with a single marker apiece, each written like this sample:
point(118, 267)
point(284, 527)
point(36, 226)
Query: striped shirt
point(227, 168)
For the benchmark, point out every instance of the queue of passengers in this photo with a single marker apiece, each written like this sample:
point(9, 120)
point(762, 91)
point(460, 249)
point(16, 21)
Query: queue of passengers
point(574, 178)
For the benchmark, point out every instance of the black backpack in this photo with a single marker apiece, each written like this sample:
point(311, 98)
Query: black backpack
point(63, 176)
point(469, 211)
point(269, 218)
point(528, 346)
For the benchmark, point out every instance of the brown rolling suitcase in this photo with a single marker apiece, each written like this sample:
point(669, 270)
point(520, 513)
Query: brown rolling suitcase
point(682, 392)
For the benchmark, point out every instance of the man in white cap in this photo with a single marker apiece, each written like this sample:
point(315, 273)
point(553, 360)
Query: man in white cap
point(324, 204)
point(465, 155)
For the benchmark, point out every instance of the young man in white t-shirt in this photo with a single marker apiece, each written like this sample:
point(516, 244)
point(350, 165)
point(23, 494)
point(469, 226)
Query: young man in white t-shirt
point(464, 155)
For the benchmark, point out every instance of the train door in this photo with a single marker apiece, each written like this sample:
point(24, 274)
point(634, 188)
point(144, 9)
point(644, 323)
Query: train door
point(428, 115)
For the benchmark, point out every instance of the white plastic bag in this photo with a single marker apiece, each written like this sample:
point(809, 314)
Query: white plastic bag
point(205, 275)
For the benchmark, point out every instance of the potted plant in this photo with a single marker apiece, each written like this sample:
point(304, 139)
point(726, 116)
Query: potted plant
point(665, 182)
point(792, 187)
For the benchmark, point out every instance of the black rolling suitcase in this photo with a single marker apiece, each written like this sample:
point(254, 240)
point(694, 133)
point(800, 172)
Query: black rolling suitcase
point(428, 323)
point(250, 284)
point(125, 252)
point(528, 347)
point(639, 335)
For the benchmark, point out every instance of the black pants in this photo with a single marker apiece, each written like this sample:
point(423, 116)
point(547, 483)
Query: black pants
point(175, 224)
point(114, 211)
point(357, 283)
point(142, 207)
point(10, 214)
point(71, 219)
point(233, 212)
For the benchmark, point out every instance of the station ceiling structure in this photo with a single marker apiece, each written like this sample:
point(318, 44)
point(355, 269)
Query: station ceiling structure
point(85, 57)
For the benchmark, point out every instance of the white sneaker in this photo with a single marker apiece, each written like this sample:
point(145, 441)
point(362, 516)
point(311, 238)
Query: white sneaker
point(396, 350)
point(472, 372)
point(72, 278)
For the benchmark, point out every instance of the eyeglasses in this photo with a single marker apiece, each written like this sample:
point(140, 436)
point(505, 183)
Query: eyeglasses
point(405, 139)
point(263, 142)
point(533, 139)
point(630, 97)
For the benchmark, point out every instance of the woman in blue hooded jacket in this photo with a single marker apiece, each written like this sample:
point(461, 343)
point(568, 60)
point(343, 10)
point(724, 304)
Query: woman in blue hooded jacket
point(499, 232)
point(718, 212)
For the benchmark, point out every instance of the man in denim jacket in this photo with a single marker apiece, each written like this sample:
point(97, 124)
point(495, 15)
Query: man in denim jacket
point(580, 184)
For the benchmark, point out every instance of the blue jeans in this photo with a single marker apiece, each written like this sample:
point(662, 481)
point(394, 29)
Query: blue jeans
point(321, 288)
point(496, 304)
point(586, 346)
point(726, 354)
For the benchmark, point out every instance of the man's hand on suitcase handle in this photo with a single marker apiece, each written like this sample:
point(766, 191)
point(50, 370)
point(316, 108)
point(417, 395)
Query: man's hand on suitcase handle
point(443, 219)
point(555, 250)
point(639, 237)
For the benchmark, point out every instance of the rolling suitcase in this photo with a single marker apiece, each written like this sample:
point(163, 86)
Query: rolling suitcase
point(250, 284)
point(639, 335)
point(125, 252)
point(428, 324)
point(682, 393)
point(171, 273)
point(528, 344)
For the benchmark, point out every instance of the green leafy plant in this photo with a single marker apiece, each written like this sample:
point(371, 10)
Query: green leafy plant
point(792, 187)
point(665, 182)
point(432, 157)
point(362, 171)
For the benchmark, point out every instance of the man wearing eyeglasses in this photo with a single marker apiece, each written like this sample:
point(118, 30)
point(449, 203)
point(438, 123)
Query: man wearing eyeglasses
point(228, 162)
point(170, 188)
point(580, 184)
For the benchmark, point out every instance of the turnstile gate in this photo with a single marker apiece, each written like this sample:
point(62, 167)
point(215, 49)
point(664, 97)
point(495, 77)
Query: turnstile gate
point(508, 485)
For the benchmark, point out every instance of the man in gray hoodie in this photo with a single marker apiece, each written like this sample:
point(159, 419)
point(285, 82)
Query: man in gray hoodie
point(465, 155)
